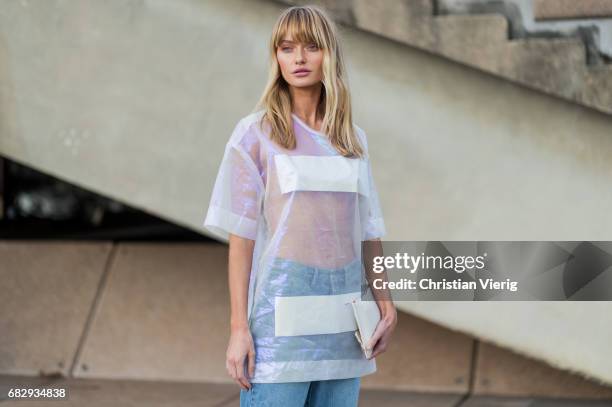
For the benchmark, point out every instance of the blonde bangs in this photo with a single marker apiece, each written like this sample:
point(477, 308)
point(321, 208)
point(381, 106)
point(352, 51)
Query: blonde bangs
point(301, 27)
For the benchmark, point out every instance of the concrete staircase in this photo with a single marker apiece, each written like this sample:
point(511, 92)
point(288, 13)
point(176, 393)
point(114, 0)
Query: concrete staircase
point(557, 63)
point(548, 19)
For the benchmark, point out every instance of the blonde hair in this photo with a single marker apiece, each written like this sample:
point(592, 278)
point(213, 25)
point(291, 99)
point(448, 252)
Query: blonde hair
point(310, 24)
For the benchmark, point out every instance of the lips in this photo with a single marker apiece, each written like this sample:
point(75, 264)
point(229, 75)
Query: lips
point(301, 71)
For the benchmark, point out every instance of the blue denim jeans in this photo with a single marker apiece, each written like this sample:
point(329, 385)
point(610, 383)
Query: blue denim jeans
point(320, 393)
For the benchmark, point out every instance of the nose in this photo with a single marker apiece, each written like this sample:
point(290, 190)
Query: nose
point(300, 55)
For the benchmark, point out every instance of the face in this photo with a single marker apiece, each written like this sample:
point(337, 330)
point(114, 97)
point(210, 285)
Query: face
point(294, 56)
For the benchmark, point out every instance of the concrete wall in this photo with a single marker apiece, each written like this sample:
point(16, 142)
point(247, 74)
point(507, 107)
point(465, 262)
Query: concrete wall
point(136, 100)
point(160, 312)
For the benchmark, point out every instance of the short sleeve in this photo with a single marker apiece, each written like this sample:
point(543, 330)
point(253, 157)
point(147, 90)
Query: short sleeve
point(373, 222)
point(237, 193)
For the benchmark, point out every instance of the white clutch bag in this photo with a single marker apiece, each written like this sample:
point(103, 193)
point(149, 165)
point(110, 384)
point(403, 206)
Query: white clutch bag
point(367, 316)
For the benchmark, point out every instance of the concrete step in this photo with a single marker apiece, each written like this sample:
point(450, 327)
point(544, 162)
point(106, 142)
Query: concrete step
point(553, 65)
point(562, 50)
point(471, 39)
point(475, 30)
point(597, 85)
point(563, 9)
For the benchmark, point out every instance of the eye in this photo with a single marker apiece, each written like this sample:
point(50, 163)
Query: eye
point(313, 47)
point(285, 48)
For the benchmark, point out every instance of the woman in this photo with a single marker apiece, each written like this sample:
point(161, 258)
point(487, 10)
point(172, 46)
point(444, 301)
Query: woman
point(296, 198)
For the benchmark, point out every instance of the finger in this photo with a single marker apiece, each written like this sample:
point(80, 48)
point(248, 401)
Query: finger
point(231, 368)
point(240, 374)
point(380, 347)
point(244, 383)
point(376, 336)
point(251, 363)
point(239, 384)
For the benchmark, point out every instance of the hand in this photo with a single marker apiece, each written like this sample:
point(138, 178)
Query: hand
point(240, 347)
point(382, 334)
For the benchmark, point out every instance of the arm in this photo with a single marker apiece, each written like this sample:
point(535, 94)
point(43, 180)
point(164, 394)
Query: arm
point(371, 246)
point(241, 342)
point(233, 215)
point(380, 340)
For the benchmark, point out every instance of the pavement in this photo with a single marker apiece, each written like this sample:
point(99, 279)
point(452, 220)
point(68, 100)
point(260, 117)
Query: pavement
point(138, 393)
